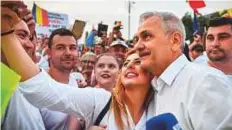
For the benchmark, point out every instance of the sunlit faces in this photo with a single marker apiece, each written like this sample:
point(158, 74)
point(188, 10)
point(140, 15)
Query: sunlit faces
point(106, 71)
point(98, 49)
point(22, 33)
point(88, 62)
point(63, 53)
point(195, 54)
point(219, 43)
point(153, 45)
point(119, 51)
point(132, 74)
point(197, 38)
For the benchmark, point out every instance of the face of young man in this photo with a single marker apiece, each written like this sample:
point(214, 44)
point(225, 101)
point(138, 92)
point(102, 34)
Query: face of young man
point(63, 53)
point(219, 43)
point(22, 33)
point(98, 49)
point(119, 51)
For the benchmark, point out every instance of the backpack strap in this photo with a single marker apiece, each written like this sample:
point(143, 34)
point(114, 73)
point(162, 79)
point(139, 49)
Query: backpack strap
point(103, 112)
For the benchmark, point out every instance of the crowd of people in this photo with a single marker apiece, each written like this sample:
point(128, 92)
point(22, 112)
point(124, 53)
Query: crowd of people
point(115, 85)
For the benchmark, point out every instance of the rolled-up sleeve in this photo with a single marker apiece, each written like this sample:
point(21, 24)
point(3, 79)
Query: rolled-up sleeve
point(44, 92)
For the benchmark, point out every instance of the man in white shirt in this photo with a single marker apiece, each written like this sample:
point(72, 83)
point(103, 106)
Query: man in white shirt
point(119, 49)
point(62, 53)
point(200, 97)
point(219, 45)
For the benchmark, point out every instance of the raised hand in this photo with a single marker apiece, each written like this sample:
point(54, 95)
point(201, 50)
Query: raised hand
point(11, 14)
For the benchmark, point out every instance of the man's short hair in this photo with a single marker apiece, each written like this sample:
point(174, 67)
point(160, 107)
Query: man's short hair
point(198, 48)
point(100, 44)
point(170, 22)
point(219, 21)
point(61, 32)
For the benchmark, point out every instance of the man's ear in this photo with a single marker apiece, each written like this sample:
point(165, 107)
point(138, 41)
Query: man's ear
point(176, 41)
point(49, 52)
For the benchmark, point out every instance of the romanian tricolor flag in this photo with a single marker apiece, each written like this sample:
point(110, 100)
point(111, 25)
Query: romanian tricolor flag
point(40, 15)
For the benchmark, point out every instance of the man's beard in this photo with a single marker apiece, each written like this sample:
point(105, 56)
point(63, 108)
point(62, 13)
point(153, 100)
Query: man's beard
point(69, 67)
point(62, 67)
point(220, 57)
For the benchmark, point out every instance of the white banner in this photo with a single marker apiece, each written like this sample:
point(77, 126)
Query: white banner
point(56, 20)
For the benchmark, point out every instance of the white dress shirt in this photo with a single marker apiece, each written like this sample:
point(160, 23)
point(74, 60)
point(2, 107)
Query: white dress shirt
point(199, 96)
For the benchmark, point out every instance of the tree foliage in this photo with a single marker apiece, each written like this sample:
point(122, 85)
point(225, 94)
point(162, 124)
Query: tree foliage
point(187, 19)
point(188, 22)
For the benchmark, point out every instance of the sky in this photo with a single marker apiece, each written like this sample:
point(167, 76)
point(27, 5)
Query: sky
point(109, 11)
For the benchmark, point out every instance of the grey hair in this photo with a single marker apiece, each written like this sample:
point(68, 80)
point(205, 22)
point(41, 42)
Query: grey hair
point(169, 23)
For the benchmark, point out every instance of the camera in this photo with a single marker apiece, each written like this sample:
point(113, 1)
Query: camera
point(118, 25)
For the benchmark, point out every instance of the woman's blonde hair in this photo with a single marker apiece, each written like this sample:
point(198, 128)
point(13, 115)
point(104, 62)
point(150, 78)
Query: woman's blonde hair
point(118, 102)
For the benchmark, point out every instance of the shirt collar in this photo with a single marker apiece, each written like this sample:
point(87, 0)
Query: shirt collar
point(170, 73)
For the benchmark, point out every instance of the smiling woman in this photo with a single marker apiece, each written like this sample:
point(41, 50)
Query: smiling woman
point(132, 94)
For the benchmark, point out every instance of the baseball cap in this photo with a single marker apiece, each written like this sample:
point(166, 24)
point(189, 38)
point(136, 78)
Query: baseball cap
point(119, 42)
